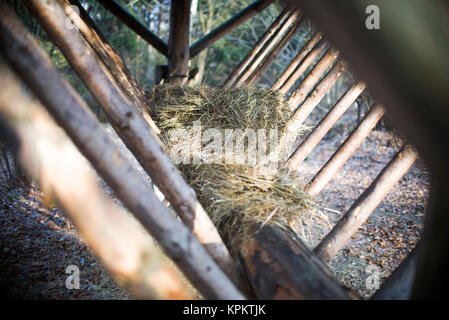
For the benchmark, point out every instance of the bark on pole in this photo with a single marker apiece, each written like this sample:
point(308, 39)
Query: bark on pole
point(325, 125)
point(269, 45)
point(133, 130)
point(300, 115)
point(300, 94)
point(274, 27)
point(128, 254)
point(343, 153)
point(81, 125)
point(109, 57)
point(296, 61)
point(399, 284)
point(135, 25)
point(279, 266)
point(366, 203)
point(178, 42)
point(320, 47)
point(216, 34)
point(272, 56)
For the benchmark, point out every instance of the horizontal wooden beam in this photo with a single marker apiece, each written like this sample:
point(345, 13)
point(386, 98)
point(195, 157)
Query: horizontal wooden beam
point(325, 125)
point(366, 203)
point(228, 26)
point(258, 46)
point(345, 151)
point(117, 10)
point(296, 61)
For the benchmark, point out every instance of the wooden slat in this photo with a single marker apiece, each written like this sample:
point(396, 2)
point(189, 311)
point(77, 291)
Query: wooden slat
point(274, 27)
point(109, 57)
point(343, 153)
point(228, 26)
point(366, 203)
point(399, 284)
point(135, 25)
point(321, 47)
point(296, 61)
point(133, 130)
point(300, 94)
point(300, 115)
point(72, 114)
point(318, 133)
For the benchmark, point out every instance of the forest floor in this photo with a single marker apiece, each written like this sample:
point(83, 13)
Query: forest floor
point(37, 243)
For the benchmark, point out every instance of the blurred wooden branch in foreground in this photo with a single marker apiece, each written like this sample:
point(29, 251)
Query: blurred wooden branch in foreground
point(54, 162)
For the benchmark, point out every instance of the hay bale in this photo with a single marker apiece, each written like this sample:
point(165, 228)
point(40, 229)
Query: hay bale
point(239, 197)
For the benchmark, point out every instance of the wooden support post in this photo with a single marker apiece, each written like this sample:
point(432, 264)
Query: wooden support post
point(134, 131)
point(343, 153)
point(300, 94)
point(366, 203)
point(269, 45)
point(228, 26)
point(71, 113)
point(274, 27)
point(178, 43)
point(399, 284)
point(280, 266)
point(296, 61)
point(325, 125)
point(305, 64)
point(55, 164)
point(272, 56)
point(135, 25)
point(109, 57)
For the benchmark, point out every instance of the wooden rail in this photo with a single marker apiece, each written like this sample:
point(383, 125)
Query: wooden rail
point(229, 25)
point(296, 61)
point(318, 133)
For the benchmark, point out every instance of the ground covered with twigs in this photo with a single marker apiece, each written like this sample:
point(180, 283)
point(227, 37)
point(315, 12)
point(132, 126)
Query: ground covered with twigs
point(37, 243)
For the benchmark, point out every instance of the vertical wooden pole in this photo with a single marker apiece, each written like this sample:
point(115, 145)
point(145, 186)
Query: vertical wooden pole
point(179, 42)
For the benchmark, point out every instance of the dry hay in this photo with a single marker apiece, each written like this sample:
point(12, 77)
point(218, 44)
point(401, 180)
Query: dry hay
point(239, 198)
